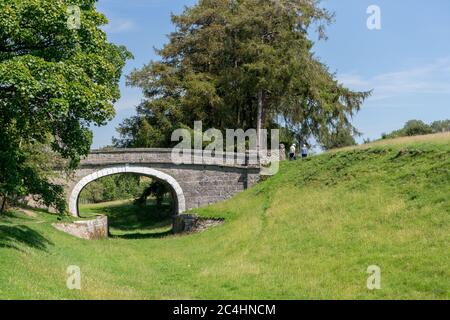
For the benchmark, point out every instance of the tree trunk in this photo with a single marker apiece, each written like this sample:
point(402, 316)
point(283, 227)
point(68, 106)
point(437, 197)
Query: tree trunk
point(261, 117)
point(2, 210)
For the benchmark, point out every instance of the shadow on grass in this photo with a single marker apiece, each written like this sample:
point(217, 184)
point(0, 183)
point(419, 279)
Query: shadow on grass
point(139, 236)
point(12, 236)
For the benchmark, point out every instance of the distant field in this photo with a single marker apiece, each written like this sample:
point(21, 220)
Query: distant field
point(437, 138)
point(309, 232)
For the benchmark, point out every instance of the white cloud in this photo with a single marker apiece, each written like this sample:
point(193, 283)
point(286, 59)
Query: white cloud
point(433, 78)
point(119, 25)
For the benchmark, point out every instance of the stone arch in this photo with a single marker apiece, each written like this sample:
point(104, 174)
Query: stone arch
point(179, 198)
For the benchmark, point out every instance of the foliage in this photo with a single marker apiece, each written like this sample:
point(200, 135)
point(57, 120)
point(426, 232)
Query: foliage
point(55, 82)
point(115, 187)
point(441, 126)
point(227, 58)
point(309, 232)
point(157, 189)
point(418, 127)
point(338, 139)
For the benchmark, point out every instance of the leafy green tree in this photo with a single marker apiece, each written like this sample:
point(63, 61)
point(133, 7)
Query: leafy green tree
point(416, 127)
point(411, 128)
point(160, 191)
point(157, 189)
point(93, 192)
point(56, 80)
point(114, 187)
point(242, 63)
point(440, 126)
point(338, 139)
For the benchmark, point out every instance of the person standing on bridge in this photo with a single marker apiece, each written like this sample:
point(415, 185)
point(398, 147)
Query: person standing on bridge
point(292, 152)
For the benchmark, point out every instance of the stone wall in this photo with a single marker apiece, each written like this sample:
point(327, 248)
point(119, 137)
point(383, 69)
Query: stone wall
point(186, 223)
point(87, 229)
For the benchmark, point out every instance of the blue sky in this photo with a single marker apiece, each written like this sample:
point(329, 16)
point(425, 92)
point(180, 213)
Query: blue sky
point(406, 63)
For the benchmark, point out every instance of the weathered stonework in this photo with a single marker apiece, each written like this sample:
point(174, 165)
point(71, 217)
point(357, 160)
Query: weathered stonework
point(193, 185)
point(185, 223)
point(88, 229)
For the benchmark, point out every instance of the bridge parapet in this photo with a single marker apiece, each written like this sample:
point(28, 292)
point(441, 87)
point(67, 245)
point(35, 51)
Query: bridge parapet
point(164, 156)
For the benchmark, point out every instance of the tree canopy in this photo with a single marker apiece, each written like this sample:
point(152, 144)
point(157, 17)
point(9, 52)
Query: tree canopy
point(241, 64)
point(56, 80)
point(114, 187)
point(418, 127)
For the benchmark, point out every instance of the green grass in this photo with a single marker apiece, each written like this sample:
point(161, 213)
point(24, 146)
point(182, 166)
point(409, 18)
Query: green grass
point(309, 232)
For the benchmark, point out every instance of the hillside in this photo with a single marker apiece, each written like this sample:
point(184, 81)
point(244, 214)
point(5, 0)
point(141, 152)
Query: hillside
point(309, 232)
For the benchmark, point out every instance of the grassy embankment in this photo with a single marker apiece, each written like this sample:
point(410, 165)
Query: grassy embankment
point(309, 232)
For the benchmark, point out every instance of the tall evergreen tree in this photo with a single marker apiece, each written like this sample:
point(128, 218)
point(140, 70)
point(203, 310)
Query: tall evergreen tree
point(241, 63)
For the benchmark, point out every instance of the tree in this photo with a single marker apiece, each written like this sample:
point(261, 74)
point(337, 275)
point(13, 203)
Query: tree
point(242, 63)
point(114, 187)
point(416, 127)
point(411, 128)
point(158, 189)
point(338, 139)
point(440, 126)
point(93, 192)
point(55, 82)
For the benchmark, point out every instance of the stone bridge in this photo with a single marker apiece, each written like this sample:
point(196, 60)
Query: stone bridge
point(193, 185)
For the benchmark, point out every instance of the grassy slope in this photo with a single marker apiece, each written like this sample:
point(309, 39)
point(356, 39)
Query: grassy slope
point(309, 232)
